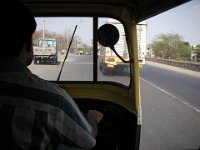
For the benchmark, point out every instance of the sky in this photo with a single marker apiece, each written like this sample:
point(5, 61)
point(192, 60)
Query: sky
point(67, 25)
point(183, 20)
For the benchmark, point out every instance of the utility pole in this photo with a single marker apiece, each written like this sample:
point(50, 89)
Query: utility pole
point(43, 33)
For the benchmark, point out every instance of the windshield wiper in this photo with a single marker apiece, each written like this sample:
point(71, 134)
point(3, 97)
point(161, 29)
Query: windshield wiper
point(67, 53)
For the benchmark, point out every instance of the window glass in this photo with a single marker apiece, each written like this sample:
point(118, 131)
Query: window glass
point(51, 43)
point(111, 67)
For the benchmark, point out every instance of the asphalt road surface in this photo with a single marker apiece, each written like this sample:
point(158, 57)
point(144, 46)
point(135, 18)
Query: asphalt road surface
point(170, 104)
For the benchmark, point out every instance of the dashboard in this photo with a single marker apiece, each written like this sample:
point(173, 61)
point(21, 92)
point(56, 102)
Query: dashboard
point(117, 128)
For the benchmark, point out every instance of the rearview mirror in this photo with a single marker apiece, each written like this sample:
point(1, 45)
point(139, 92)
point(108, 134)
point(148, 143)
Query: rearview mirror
point(108, 35)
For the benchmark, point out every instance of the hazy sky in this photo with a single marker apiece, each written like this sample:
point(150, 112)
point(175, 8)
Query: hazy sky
point(67, 24)
point(184, 20)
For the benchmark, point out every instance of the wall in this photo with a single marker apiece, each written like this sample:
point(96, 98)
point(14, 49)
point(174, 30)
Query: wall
point(182, 64)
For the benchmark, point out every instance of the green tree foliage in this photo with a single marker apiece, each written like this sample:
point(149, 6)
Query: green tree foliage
point(197, 51)
point(171, 46)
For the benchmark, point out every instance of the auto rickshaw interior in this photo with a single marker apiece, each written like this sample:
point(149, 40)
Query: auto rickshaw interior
point(94, 84)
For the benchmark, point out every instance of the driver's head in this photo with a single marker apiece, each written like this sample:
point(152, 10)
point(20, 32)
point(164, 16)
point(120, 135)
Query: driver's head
point(18, 24)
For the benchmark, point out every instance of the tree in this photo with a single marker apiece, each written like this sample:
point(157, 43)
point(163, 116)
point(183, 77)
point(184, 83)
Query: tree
point(37, 35)
point(63, 40)
point(184, 52)
point(197, 51)
point(171, 46)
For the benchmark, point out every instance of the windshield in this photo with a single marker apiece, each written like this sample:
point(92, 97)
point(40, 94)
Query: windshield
point(80, 62)
point(46, 43)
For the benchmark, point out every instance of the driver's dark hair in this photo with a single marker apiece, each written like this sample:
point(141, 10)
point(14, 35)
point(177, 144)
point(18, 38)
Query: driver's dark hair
point(18, 25)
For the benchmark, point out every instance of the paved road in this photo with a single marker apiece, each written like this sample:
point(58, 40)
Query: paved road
point(180, 83)
point(76, 68)
point(170, 101)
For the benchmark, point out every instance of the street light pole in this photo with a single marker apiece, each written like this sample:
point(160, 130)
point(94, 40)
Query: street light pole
point(43, 33)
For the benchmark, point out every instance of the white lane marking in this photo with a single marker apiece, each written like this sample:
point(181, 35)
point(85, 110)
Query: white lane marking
point(176, 98)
